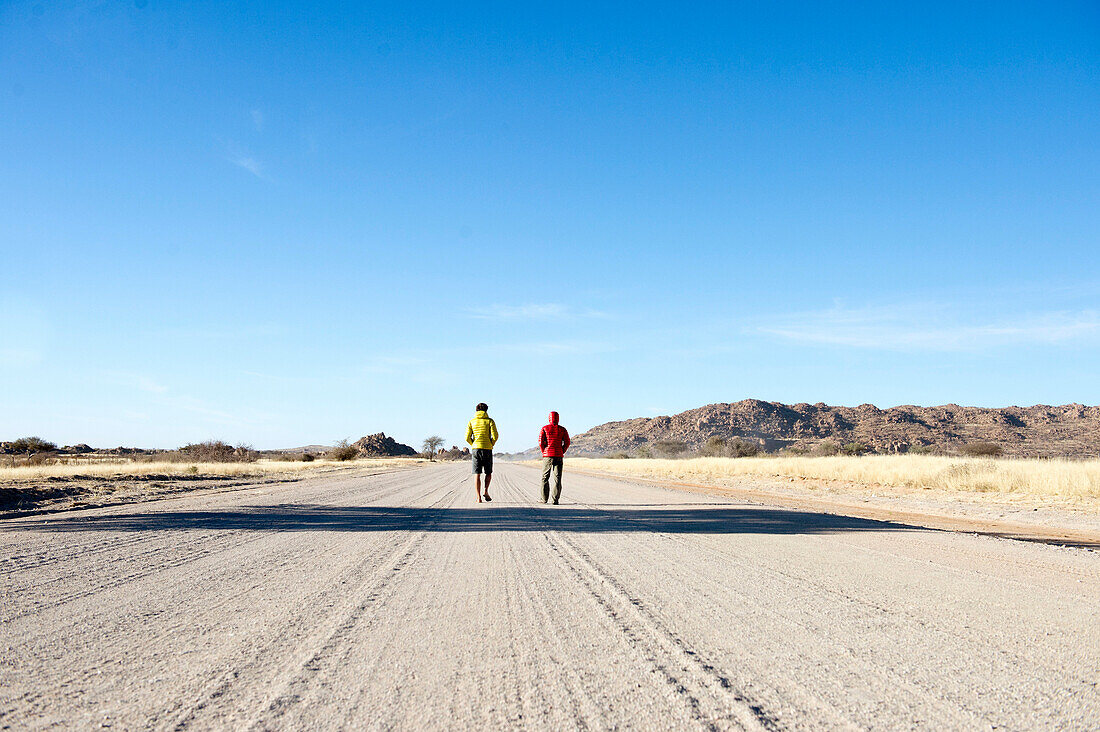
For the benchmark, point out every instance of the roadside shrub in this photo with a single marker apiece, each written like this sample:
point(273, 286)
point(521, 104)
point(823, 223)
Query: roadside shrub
point(670, 448)
point(617, 456)
point(982, 449)
point(342, 451)
point(921, 450)
point(741, 448)
point(854, 448)
point(643, 452)
point(431, 446)
point(715, 446)
point(828, 447)
point(292, 457)
point(216, 451)
point(31, 445)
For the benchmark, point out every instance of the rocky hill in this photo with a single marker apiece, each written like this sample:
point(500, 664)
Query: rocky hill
point(1070, 430)
point(379, 445)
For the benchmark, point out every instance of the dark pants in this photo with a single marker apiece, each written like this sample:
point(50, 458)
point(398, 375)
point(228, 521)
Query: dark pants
point(551, 465)
point(483, 462)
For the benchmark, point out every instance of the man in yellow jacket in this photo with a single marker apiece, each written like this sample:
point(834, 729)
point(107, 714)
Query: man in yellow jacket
point(481, 435)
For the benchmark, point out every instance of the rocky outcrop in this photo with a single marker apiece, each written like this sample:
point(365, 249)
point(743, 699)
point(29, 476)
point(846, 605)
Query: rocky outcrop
point(1071, 430)
point(379, 445)
point(126, 451)
point(453, 454)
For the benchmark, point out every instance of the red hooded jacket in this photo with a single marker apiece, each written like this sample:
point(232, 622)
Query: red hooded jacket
point(554, 439)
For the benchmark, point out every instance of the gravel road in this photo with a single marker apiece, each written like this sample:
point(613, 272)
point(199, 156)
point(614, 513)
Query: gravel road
point(395, 600)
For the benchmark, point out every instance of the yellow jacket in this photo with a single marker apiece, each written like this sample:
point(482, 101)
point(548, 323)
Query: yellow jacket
point(481, 432)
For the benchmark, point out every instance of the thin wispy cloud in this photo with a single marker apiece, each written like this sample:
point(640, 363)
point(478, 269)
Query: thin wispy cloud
point(20, 357)
point(252, 165)
point(446, 365)
point(198, 406)
point(137, 382)
point(930, 328)
point(257, 119)
point(551, 348)
point(26, 335)
point(257, 331)
point(394, 364)
point(532, 311)
point(243, 158)
point(163, 397)
point(144, 383)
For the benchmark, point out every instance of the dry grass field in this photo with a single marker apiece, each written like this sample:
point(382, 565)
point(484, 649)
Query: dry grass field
point(78, 469)
point(84, 483)
point(1000, 478)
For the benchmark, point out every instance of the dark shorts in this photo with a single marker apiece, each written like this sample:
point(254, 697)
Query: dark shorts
point(483, 461)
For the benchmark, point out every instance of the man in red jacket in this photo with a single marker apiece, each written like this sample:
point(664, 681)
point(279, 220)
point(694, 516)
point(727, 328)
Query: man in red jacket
point(553, 441)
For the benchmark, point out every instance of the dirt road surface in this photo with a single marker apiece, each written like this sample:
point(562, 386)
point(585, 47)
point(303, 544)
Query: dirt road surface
point(395, 600)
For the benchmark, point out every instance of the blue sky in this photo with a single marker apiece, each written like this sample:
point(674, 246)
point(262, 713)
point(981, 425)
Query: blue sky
point(284, 224)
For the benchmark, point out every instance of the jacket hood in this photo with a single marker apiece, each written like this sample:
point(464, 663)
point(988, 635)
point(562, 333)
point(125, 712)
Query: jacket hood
point(553, 417)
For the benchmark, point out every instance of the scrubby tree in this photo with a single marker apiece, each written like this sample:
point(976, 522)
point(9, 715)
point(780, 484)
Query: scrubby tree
point(431, 444)
point(217, 451)
point(32, 445)
point(854, 448)
point(742, 448)
point(670, 448)
point(342, 451)
point(715, 446)
point(982, 449)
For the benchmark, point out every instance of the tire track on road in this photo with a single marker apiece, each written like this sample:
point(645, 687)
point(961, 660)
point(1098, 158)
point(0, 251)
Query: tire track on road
point(121, 624)
point(291, 686)
point(179, 551)
point(710, 695)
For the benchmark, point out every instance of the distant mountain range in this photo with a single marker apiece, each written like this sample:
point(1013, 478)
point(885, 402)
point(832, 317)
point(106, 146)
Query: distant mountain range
point(1070, 430)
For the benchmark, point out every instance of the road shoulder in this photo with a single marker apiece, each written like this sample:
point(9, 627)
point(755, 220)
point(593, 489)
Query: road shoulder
point(1046, 525)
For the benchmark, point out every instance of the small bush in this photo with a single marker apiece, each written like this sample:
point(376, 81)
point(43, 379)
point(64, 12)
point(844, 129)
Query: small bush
point(982, 449)
point(643, 452)
point(828, 447)
point(342, 451)
point(216, 451)
point(292, 457)
point(921, 450)
point(854, 448)
point(618, 456)
point(740, 448)
point(670, 448)
point(715, 446)
point(32, 445)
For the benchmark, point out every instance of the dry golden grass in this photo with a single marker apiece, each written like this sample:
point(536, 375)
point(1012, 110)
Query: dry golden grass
point(1033, 478)
point(98, 469)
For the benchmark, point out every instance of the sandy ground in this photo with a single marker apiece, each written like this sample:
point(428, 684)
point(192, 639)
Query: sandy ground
point(395, 600)
point(75, 486)
point(1031, 518)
